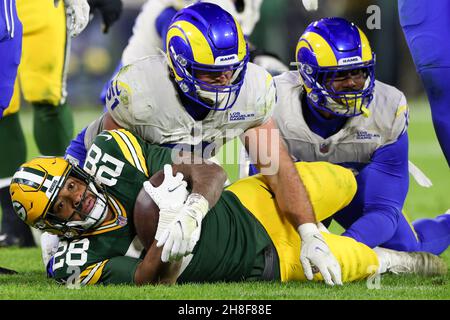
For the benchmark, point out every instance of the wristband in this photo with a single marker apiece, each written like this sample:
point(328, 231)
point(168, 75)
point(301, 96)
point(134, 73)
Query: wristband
point(307, 229)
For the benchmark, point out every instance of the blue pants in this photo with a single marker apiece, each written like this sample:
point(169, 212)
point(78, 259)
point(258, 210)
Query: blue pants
point(426, 25)
point(430, 235)
point(10, 52)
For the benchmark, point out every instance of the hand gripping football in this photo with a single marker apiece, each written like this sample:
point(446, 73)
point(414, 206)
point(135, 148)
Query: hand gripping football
point(146, 213)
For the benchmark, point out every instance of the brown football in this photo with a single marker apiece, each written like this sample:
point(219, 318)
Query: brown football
point(146, 213)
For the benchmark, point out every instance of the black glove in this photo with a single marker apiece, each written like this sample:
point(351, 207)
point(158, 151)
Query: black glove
point(110, 10)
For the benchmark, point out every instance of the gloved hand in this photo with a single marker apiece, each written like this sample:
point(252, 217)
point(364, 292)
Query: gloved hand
point(322, 228)
point(110, 10)
point(169, 197)
point(77, 12)
point(183, 233)
point(316, 254)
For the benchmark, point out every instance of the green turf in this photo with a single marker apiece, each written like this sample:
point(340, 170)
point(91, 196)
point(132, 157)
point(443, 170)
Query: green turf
point(31, 283)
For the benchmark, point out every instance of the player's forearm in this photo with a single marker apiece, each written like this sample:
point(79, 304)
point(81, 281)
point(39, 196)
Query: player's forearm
point(204, 179)
point(274, 162)
point(153, 271)
point(290, 193)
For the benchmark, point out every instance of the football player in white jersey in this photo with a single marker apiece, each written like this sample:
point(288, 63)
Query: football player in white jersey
point(151, 25)
point(332, 109)
point(205, 91)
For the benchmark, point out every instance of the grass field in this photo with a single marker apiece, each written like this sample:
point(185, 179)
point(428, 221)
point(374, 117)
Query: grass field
point(31, 283)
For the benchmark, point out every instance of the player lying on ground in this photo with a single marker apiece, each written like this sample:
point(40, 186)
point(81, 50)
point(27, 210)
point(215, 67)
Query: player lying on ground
point(97, 210)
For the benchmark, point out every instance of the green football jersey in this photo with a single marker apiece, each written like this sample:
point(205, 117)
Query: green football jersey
point(231, 245)
point(110, 254)
point(232, 242)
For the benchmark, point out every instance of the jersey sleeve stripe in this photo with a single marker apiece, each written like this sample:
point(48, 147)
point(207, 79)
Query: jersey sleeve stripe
point(136, 150)
point(93, 273)
point(123, 147)
point(135, 161)
point(400, 110)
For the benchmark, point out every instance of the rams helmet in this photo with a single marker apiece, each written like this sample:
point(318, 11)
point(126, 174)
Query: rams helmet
point(331, 48)
point(204, 37)
point(35, 187)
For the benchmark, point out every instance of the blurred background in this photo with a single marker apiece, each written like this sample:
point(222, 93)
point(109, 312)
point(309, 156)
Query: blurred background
point(94, 55)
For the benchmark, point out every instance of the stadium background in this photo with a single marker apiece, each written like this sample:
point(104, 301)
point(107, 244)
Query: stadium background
point(93, 59)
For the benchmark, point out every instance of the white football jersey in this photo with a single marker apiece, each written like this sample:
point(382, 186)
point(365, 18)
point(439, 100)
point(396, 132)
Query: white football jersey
point(359, 137)
point(144, 100)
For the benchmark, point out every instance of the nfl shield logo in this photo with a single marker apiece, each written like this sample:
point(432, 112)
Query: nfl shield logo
point(324, 147)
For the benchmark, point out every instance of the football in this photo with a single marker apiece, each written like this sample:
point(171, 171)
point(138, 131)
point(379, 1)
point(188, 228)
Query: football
point(146, 213)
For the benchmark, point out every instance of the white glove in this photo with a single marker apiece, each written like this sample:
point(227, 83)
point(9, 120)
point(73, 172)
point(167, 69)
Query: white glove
point(316, 254)
point(183, 233)
point(311, 5)
point(49, 246)
point(169, 197)
point(322, 228)
point(77, 12)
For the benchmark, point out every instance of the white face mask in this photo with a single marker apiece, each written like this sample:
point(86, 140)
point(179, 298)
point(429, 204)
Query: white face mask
point(217, 98)
point(212, 98)
point(97, 214)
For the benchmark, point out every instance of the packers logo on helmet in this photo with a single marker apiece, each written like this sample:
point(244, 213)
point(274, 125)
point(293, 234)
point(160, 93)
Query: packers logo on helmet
point(35, 185)
point(20, 210)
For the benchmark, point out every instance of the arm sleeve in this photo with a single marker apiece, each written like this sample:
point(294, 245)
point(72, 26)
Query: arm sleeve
point(383, 185)
point(76, 151)
point(117, 270)
point(119, 98)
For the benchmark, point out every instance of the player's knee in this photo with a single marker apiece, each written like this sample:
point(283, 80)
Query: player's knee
point(345, 181)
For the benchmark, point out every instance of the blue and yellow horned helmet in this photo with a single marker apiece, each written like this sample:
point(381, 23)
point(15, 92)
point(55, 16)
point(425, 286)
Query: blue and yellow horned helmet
point(205, 38)
point(35, 186)
point(334, 48)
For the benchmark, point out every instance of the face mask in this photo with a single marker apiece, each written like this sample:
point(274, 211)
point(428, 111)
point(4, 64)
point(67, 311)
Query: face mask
point(97, 214)
point(212, 98)
point(350, 103)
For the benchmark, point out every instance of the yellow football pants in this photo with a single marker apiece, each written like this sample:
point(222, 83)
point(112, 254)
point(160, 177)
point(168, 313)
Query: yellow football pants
point(44, 48)
point(330, 188)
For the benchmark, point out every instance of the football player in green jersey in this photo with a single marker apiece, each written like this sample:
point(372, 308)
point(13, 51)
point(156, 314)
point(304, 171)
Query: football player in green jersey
point(242, 237)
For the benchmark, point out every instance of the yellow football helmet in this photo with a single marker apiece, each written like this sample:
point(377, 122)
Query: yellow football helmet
point(35, 186)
